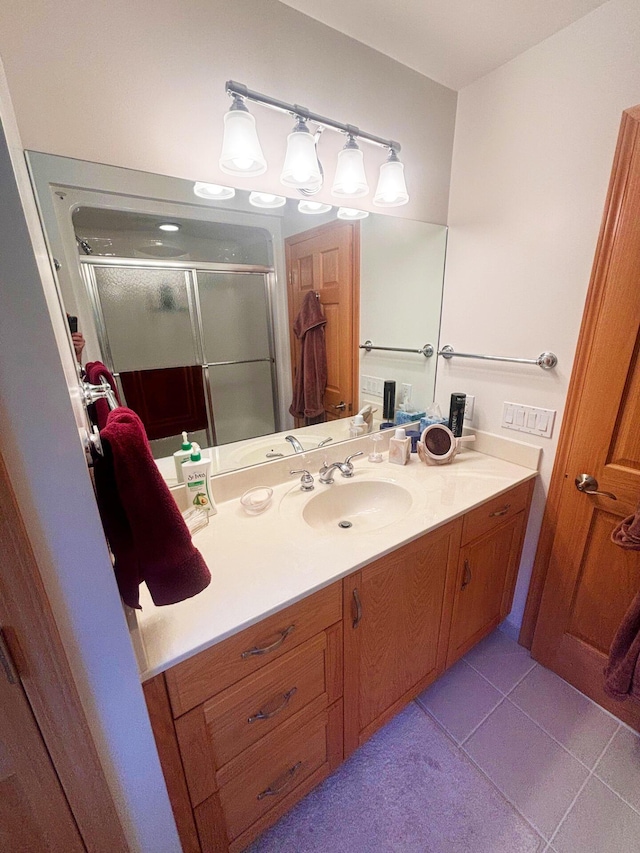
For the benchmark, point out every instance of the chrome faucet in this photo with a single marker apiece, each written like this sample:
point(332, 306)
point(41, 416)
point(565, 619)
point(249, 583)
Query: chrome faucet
point(306, 481)
point(298, 448)
point(345, 468)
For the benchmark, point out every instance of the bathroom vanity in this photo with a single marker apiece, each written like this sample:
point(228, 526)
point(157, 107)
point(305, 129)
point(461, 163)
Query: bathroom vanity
point(311, 638)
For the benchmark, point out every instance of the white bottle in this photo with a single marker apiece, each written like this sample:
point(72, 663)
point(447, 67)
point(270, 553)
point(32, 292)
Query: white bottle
point(358, 427)
point(197, 480)
point(181, 456)
point(400, 447)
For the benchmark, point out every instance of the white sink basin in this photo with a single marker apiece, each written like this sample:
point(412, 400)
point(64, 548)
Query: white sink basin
point(271, 448)
point(358, 506)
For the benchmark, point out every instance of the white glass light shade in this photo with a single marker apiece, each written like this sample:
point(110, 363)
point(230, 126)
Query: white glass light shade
point(267, 200)
point(352, 213)
point(306, 206)
point(241, 151)
point(350, 180)
point(392, 189)
point(301, 168)
point(213, 192)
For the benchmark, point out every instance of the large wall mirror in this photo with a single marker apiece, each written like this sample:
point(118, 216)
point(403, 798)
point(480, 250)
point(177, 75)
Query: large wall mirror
point(191, 303)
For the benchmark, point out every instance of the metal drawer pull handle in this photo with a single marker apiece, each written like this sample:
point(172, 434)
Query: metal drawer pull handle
point(503, 511)
point(466, 576)
point(266, 715)
point(358, 616)
point(280, 784)
point(264, 650)
point(589, 486)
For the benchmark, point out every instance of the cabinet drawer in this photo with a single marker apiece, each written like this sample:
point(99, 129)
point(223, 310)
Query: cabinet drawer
point(195, 680)
point(266, 773)
point(494, 512)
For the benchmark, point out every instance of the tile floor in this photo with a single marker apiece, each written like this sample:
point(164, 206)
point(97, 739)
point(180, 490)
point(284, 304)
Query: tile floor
point(499, 756)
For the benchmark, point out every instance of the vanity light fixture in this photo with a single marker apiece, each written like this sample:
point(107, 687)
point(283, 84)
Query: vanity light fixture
point(267, 200)
point(302, 170)
point(352, 213)
point(241, 151)
point(307, 206)
point(213, 192)
point(392, 189)
point(169, 226)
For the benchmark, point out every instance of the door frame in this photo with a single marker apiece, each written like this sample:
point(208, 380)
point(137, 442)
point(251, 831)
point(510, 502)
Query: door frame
point(628, 138)
point(355, 319)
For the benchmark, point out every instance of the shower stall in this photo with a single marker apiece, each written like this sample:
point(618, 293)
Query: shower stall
point(190, 344)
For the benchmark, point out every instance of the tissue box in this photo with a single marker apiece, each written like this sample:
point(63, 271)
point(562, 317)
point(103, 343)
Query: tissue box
point(425, 422)
point(403, 417)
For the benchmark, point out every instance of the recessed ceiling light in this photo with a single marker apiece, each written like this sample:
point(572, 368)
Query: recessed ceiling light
point(267, 200)
point(213, 192)
point(351, 213)
point(305, 206)
point(169, 226)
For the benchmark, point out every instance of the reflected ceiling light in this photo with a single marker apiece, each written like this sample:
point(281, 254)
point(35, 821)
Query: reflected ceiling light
point(350, 180)
point(169, 226)
point(241, 151)
point(301, 168)
point(306, 206)
point(351, 213)
point(213, 192)
point(392, 189)
point(267, 200)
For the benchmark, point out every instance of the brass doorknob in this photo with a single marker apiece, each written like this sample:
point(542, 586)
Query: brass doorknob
point(589, 486)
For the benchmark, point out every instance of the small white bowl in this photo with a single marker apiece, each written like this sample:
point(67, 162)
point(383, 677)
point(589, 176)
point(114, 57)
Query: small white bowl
point(255, 501)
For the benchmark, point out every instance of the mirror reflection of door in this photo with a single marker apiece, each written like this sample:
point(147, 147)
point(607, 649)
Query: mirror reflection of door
point(327, 260)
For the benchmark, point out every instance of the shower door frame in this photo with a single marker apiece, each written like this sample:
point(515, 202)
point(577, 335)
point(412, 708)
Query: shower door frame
point(190, 269)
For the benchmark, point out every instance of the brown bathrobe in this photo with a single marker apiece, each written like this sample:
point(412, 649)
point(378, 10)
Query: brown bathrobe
point(311, 375)
point(622, 672)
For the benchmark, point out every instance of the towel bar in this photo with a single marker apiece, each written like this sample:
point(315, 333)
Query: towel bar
point(546, 360)
point(427, 350)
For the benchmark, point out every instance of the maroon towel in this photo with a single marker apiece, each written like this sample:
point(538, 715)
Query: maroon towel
point(622, 672)
point(148, 536)
point(311, 376)
point(94, 370)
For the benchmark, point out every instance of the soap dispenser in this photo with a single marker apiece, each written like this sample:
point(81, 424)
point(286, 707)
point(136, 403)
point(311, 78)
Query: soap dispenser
point(197, 479)
point(358, 427)
point(400, 447)
point(181, 456)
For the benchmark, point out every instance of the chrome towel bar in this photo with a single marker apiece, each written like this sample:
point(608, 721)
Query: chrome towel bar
point(546, 360)
point(427, 350)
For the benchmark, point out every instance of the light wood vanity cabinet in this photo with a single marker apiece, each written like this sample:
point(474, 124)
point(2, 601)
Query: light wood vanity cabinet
point(248, 727)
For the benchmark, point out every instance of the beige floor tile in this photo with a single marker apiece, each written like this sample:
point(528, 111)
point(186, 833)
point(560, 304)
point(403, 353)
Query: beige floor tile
point(620, 766)
point(534, 772)
point(460, 700)
point(568, 716)
point(599, 822)
point(500, 660)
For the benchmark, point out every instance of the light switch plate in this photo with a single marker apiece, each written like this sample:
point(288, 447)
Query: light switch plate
point(469, 403)
point(530, 419)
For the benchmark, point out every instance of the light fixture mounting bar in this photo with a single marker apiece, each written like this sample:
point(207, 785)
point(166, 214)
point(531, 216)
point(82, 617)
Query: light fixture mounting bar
point(241, 90)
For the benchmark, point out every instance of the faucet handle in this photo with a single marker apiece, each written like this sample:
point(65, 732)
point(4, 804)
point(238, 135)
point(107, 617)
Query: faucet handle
point(347, 461)
point(306, 481)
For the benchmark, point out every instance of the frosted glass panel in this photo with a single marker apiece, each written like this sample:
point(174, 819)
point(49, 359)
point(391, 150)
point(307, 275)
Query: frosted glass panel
point(234, 316)
point(146, 314)
point(242, 401)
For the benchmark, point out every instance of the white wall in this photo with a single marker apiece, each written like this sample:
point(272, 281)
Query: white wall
point(142, 85)
point(533, 151)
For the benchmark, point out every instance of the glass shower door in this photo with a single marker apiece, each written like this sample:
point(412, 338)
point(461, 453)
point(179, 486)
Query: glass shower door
point(238, 351)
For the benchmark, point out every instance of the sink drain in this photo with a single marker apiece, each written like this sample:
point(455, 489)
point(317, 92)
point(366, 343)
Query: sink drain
point(345, 525)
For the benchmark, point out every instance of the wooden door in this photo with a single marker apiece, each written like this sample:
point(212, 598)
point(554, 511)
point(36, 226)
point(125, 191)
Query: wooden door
point(484, 586)
point(396, 618)
point(34, 813)
point(590, 582)
point(327, 260)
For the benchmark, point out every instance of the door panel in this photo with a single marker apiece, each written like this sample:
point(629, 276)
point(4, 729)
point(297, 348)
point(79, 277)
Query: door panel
point(590, 582)
point(326, 260)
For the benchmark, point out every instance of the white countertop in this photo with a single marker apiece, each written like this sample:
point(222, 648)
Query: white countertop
point(262, 563)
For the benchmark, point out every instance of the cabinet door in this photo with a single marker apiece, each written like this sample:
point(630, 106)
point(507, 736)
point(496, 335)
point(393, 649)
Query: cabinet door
point(486, 577)
point(396, 618)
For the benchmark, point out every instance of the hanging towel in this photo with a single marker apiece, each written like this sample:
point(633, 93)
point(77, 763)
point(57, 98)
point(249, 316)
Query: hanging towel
point(94, 370)
point(148, 536)
point(311, 376)
point(622, 672)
